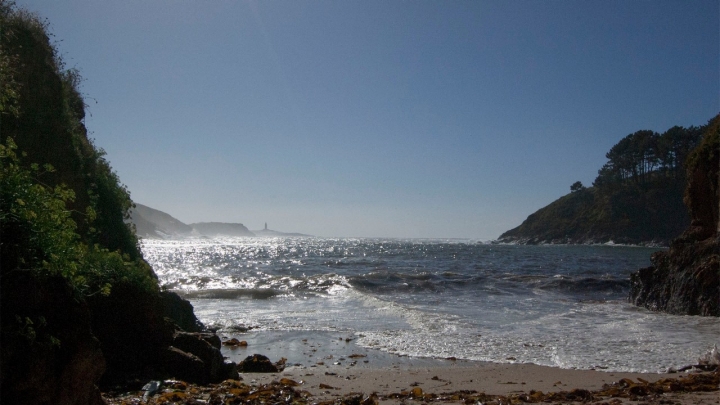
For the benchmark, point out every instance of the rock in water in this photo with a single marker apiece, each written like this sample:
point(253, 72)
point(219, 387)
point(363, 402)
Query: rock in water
point(63, 371)
point(684, 280)
point(257, 363)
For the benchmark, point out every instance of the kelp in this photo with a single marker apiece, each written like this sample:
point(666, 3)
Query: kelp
point(287, 391)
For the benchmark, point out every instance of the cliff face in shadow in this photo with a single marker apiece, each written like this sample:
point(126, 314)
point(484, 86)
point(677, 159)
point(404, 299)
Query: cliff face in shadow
point(686, 278)
point(628, 215)
point(79, 306)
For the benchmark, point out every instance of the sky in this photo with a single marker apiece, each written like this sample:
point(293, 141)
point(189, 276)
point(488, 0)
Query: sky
point(410, 119)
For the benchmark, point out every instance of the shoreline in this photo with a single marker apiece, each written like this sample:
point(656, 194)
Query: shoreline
point(465, 380)
point(313, 349)
point(572, 242)
point(330, 366)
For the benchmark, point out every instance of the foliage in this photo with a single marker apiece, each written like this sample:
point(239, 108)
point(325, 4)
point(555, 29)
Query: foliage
point(644, 157)
point(72, 278)
point(709, 148)
point(44, 115)
point(703, 192)
point(65, 249)
point(39, 235)
point(63, 208)
point(577, 186)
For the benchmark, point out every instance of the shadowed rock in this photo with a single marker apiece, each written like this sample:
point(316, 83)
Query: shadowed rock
point(257, 363)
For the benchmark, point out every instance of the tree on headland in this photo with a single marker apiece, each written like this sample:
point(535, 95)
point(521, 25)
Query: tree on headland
point(644, 157)
point(637, 196)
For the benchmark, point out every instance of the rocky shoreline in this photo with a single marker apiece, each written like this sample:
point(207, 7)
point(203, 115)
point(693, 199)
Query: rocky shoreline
point(685, 280)
point(75, 349)
point(511, 240)
point(341, 372)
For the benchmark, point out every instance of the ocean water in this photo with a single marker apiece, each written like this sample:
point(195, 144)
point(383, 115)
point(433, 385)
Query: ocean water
point(562, 306)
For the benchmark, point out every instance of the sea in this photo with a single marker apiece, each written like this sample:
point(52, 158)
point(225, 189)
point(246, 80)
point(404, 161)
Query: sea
point(555, 305)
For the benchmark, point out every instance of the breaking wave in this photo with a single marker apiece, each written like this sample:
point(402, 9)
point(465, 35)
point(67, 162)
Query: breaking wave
point(562, 306)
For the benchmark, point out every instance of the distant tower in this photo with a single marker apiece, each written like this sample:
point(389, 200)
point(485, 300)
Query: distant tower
point(266, 226)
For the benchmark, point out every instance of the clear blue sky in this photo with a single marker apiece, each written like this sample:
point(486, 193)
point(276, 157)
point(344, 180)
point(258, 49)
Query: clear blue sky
point(379, 118)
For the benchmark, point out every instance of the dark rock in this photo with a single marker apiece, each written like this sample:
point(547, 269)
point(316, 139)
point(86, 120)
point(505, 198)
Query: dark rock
point(684, 280)
point(206, 347)
point(180, 311)
point(235, 343)
point(184, 366)
point(151, 389)
point(48, 352)
point(140, 342)
point(133, 331)
point(257, 363)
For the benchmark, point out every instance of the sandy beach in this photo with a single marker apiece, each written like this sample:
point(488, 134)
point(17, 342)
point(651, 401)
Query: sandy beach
point(329, 368)
point(459, 383)
point(448, 384)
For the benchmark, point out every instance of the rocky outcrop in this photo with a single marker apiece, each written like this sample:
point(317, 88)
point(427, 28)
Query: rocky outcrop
point(257, 363)
point(686, 278)
point(143, 339)
point(58, 349)
point(196, 357)
point(180, 311)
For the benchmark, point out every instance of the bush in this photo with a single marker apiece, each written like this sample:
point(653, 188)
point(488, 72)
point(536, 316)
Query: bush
point(39, 235)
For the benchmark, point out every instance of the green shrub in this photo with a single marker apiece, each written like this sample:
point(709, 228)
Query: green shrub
point(39, 235)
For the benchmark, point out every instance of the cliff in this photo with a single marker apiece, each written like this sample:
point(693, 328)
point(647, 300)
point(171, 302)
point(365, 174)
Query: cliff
point(155, 224)
point(79, 306)
point(629, 216)
point(152, 223)
point(686, 278)
point(213, 229)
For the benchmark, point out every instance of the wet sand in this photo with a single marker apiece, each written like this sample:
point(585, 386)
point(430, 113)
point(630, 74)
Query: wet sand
point(492, 379)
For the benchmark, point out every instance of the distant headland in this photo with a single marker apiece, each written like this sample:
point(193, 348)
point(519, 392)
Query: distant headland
point(151, 223)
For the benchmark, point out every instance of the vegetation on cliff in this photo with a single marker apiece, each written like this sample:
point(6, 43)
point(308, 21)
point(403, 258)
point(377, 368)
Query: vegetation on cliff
point(79, 305)
point(686, 278)
point(636, 198)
